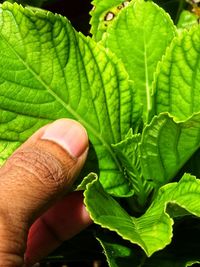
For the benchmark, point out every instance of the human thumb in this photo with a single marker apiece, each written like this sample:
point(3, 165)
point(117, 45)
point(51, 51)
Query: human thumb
point(38, 174)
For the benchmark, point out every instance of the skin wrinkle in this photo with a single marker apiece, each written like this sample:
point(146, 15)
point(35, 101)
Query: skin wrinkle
point(44, 171)
point(34, 180)
point(37, 164)
point(53, 177)
point(42, 164)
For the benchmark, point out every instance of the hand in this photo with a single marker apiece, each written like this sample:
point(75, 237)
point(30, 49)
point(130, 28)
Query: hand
point(35, 213)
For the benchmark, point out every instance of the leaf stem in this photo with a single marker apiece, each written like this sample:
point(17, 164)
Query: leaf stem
point(147, 86)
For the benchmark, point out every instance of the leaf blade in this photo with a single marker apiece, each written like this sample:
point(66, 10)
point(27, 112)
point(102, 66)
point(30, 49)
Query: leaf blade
point(40, 54)
point(167, 145)
point(146, 30)
point(176, 86)
point(153, 230)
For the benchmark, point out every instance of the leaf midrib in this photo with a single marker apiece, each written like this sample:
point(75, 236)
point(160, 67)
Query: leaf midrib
point(65, 106)
point(147, 86)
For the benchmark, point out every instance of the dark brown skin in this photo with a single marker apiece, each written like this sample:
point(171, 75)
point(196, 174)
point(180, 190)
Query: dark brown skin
point(36, 213)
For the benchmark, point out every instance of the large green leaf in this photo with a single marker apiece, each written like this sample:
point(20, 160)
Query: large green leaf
point(177, 84)
point(153, 230)
point(166, 146)
point(48, 71)
point(139, 36)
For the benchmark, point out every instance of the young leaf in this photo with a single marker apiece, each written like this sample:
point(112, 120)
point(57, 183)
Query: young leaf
point(153, 230)
point(103, 13)
point(48, 71)
point(177, 83)
point(139, 36)
point(128, 153)
point(167, 145)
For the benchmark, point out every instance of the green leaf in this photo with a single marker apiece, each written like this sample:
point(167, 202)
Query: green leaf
point(187, 19)
point(102, 15)
point(177, 83)
point(128, 153)
point(183, 250)
point(48, 71)
point(119, 253)
point(191, 263)
point(153, 230)
point(166, 146)
point(86, 180)
point(139, 36)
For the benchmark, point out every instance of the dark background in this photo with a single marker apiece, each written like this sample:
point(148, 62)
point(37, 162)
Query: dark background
point(77, 11)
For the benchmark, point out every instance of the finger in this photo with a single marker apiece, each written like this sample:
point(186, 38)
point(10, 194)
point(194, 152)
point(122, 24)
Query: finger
point(61, 222)
point(35, 176)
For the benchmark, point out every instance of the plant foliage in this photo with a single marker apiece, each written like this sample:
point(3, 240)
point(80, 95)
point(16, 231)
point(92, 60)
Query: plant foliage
point(135, 86)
